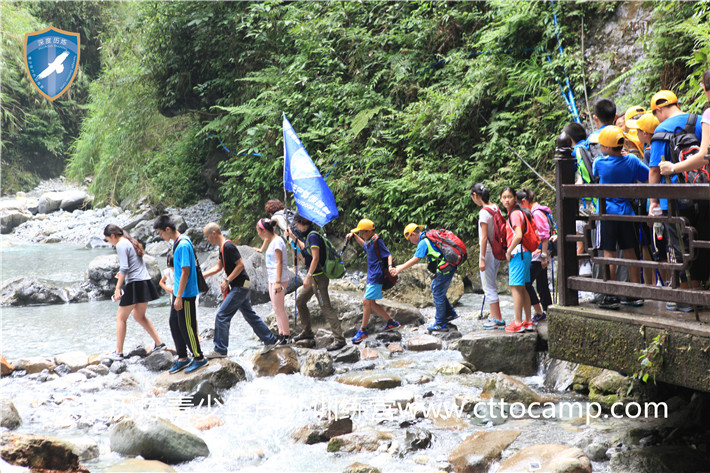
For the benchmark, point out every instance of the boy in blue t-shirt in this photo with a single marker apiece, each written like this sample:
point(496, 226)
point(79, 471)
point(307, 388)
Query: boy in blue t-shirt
point(614, 168)
point(376, 252)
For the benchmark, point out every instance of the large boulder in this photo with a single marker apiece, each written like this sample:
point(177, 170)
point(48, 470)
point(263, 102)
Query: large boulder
point(550, 458)
point(478, 451)
point(40, 452)
point(371, 379)
point(660, 459)
point(414, 287)
point(9, 417)
point(509, 390)
point(11, 218)
point(493, 351)
point(318, 364)
point(280, 360)
point(221, 373)
point(101, 274)
point(23, 291)
point(156, 439)
point(67, 200)
point(75, 360)
point(560, 375)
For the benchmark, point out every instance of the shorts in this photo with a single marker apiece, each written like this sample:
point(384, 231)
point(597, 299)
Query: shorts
point(519, 269)
point(373, 292)
point(621, 233)
point(137, 292)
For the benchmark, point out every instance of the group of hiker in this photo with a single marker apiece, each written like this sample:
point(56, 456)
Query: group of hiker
point(637, 146)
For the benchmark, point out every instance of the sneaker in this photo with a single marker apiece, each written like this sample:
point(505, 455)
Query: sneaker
point(537, 318)
point(117, 356)
point(304, 336)
point(609, 302)
point(515, 328)
point(438, 328)
point(196, 365)
point(680, 307)
point(452, 317)
point(360, 336)
point(493, 324)
point(158, 347)
point(632, 301)
point(284, 340)
point(215, 354)
point(585, 269)
point(335, 346)
point(529, 326)
point(671, 306)
point(179, 365)
point(391, 325)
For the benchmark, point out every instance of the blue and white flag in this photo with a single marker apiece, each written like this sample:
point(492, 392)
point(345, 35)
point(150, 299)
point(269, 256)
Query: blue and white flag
point(314, 199)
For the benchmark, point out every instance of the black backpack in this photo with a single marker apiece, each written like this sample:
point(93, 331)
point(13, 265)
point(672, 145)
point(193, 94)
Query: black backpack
point(682, 145)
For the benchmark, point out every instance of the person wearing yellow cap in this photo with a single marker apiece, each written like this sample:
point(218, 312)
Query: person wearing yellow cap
point(379, 260)
point(615, 168)
point(440, 284)
point(633, 144)
point(664, 106)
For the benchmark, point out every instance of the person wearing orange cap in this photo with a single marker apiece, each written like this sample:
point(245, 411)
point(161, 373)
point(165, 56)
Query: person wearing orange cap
point(377, 253)
point(614, 168)
point(664, 106)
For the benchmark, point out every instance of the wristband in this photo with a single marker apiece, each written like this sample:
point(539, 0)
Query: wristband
point(309, 275)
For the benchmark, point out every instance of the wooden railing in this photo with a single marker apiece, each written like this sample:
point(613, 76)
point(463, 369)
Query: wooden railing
point(568, 195)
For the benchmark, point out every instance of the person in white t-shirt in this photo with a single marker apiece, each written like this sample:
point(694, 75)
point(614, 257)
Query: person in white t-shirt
point(278, 275)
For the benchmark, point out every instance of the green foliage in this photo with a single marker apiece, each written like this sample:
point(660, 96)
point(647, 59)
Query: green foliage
point(651, 360)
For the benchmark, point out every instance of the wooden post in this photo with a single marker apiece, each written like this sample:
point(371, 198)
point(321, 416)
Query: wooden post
point(566, 216)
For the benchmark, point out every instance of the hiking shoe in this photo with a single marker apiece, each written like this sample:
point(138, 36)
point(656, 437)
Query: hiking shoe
point(215, 354)
point(632, 301)
point(360, 336)
point(585, 269)
point(537, 318)
point(304, 336)
point(117, 356)
point(438, 328)
point(493, 324)
point(158, 347)
point(284, 340)
point(515, 328)
point(609, 302)
point(452, 317)
point(529, 326)
point(391, 325)
point(179, 365)
point(679, 307)
point(335, 346)
point(196, 365)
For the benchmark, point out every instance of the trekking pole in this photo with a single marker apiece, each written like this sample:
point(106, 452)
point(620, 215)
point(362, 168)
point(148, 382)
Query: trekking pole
point(342, 250)
point(552, 268)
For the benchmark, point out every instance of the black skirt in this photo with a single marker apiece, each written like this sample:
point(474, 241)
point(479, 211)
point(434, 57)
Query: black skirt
point(138, 291)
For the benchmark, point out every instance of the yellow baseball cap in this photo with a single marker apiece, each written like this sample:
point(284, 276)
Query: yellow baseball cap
point(632, 115)
point(611, 136)
point(411, 228)
point(364, 224)
point(663, 98)
point(647, 122)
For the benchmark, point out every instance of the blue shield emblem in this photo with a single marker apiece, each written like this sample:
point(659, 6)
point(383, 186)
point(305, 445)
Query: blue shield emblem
point(52, 60)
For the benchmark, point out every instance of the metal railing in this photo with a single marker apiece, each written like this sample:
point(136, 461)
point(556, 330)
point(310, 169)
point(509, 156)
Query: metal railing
point(568, 195)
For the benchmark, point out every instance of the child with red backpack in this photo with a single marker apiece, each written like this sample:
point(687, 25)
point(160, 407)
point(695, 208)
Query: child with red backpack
point(541, 257)
point(491, 238)
point(522, 240)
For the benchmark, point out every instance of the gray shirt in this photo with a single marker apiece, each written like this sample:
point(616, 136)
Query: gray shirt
point(129, 263)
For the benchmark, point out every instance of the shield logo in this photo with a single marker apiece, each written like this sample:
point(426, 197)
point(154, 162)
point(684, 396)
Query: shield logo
point(52, 60)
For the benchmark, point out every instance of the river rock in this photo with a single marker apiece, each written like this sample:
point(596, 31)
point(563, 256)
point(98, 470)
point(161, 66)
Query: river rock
point(206, 422)
point(73, 200)
point(85, 448)
point(478, 451)
point(279, 360)
point(358, 467)
point(318, 364)
point(323, 338)
point(395, 348)
point(125, 381)
point(372, 379)
point(608, 388)
point(453, 368)
point(417, 439)
point(146, 215)
point(9, 417)
point(101, 274)
point(35, 364)
point(6, 367)
point(156, 439)
point(222, 373)
point(465, 402)
point(368, 354)
point(551, 458)
point(510, 390)
point(311, 434)
point(23, 291)
point(160, 248)
point(414, 287)
point(40, 452)
point(582, 376)
point(12, 218)
point(140, 466)
point(493, 351)
point(560, 375)
point(368, 440)
point(97, 242)
point(660, 459)
point(349, 354)
point(49, 202)
point(424, 343)
point(75, 360)
point(160, 360)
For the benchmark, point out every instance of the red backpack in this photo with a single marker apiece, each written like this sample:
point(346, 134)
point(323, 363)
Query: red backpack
point(453, 250)
point(531, 240)
point(498, 243)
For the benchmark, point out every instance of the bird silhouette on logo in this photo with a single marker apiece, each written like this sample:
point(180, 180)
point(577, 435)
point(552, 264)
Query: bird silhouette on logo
point(54, 66)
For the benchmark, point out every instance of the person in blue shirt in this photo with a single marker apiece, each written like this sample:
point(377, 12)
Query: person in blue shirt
point(612, 167)
point(183, 313)
point(440, 284)
point(664, 106)
point(376, 252)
